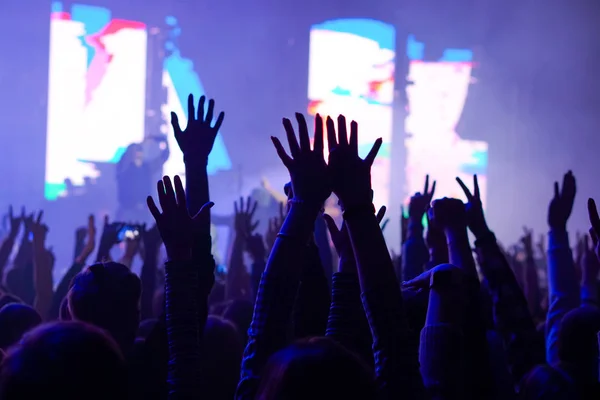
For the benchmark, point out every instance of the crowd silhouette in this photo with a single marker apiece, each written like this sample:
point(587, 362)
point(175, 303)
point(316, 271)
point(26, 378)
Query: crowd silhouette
point(446, 319)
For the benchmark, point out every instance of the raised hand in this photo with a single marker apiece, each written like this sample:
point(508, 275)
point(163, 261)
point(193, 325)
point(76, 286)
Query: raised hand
point(420, 202)
point(28, 221)
point(527, 240)
point(39, 229)
point(243, 216)
point(198, 138)
point(90, 243)
point(350, 175)
point(403, 225)
point(174, 223)
point(561, 205)
point(444, 276)
point(448, 214)
point(307, 168)
point(110, 232)
point(15, 222)
point(474, 208)
point(595, 228)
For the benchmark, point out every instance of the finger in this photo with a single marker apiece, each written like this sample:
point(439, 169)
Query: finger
point(23, 212)
point(318, 145)
point(331, 135)
point(432, 190)
point(333, 229)
point(254, 226)
point(162, 197)
point(152, 207)
point(476, 186)
point(180, 193)
point(354, 136)
point(219, 121)
point(291, 137)
point(303, 133)
point(342, 131)
point(420, 282)
point(593, 215)
point(235, 207)
point(381, 213)
point(175, 124)
point(191, 110)
point(242, 209)
point(384, 225)
point(10, 212)
point(210, 112)
point(106, 220)
point(204, 210)
point(39, 217)
point(169, 191)
point(426, 188)
point(464, 188)
point(201, 108)
point(283, 156)
point(254, 206)
point(373, 153)
point(556, 190)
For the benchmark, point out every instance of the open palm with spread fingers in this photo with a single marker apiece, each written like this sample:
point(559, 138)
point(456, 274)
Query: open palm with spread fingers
point(175, 224)
point(307, 167)
point(198, 138)
point(350, 174)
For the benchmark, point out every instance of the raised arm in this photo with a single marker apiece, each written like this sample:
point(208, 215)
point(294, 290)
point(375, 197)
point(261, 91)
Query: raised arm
point(563, 288)
point(239, 282)
point(9, 242)
point(275, 300)
point(151, 241)
point(414, 249)
point(86, 249)
point(43, 262)
point(347, 322)
point(396, 358)
point(184, 331)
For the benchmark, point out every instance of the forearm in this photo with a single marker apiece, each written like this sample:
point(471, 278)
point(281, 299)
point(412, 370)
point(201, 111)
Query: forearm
point(347, 322)
point(183, 330)
point(414, 251)
point(313, 301)
point(42, 278)
point(5, 250)
point(196, 189)
point(269, 329)
point(238, 280)
point(563, 289)
point(63, 289)
point(532, 286)
point(442, 347)
point(459, 251)
point(589, 290)
point(512, 319)
point(396, 357)
point(148, 278)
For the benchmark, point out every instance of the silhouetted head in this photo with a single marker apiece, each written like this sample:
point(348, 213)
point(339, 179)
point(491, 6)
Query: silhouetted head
point(547, 383)
point(221, 357)
point(15, 320)
point(8, 299)
point(578, 342)
point(64, 360)
point(240, 313)
point(108, 296)
point(316, 369)
point(63, 313)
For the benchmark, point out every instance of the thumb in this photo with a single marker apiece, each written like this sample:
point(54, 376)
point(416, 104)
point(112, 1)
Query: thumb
point(420, 282)
point(594, 237)
point(204, 210)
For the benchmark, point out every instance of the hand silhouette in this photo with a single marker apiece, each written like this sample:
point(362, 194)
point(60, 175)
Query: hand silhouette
point(198, 138)
point(474, 208)
point(561, 205)
point(419, 203)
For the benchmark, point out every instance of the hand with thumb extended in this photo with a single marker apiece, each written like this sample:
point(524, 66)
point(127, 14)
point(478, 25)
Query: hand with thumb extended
point(174, 223)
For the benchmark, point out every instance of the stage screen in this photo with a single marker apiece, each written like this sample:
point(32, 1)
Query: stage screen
point(97, 92)
point(436, 94)
point(351, 72)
